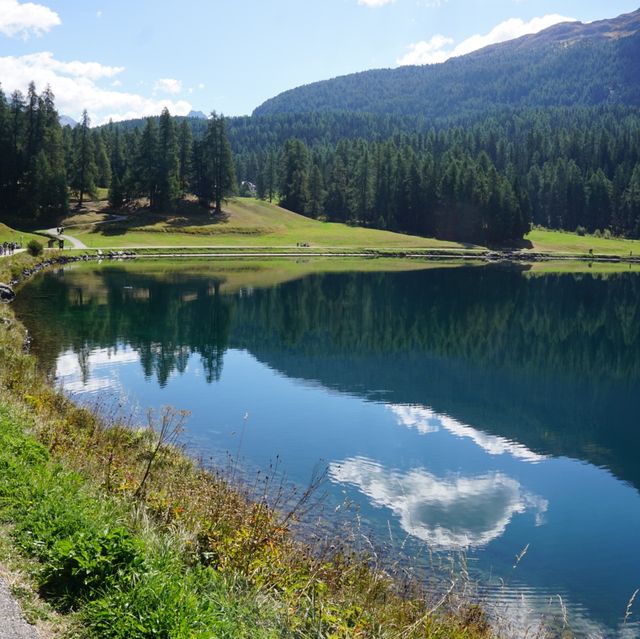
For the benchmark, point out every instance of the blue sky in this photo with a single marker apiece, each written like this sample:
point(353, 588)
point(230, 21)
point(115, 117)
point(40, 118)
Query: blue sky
point(128, 58)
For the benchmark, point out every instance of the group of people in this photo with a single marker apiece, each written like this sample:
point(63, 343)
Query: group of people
point(8, 248)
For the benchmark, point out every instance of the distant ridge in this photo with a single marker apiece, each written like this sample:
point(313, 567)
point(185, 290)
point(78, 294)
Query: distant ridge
point(567, 64)
point(198, 115)
point(66, 120)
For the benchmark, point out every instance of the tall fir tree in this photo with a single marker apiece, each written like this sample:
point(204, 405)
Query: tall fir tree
point(84, 171)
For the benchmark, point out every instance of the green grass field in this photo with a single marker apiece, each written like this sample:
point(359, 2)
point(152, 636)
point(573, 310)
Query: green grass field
point(559, 242)
point(253, 224)
point(7, 234)
point(246, 223)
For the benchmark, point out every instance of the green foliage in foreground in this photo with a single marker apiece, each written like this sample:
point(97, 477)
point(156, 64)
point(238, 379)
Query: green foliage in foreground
point(119, 578)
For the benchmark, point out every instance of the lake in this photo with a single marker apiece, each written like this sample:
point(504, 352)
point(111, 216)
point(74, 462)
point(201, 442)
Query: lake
point(484, 410)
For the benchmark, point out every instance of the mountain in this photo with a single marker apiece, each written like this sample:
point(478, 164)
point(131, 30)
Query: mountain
point(198, 115)
point(567, 64)
point(65, 120)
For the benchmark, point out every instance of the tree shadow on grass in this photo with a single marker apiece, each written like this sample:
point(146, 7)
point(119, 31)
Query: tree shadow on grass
point(186, 214)
point(519, 244)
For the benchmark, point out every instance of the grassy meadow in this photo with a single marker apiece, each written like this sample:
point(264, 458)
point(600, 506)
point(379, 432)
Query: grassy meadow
point(249, 223)
point(546, 241)
point(8, 234)
point(245, 223)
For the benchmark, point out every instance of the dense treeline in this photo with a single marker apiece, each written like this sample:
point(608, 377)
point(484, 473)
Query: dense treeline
point(33, 154)
point(42, 163)
point(481, 177)
point(473, 179)
point(398, 185)
point(163, 162)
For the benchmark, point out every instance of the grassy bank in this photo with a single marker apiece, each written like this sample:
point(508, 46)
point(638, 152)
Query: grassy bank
point(546, 241)
point(127, 537)
point(7, 234)
point(246, 223)
point(249, 225)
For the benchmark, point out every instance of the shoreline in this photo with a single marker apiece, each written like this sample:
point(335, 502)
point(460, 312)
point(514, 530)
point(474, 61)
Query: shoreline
point(506, 255)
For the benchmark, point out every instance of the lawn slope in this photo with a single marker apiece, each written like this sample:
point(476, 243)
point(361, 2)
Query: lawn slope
point(246, 222)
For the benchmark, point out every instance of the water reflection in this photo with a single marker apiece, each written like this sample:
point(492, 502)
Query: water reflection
point(93, 371)
point(452, 513)
point(425, 421)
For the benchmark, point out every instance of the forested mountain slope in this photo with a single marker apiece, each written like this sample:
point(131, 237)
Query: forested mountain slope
point(567, 64)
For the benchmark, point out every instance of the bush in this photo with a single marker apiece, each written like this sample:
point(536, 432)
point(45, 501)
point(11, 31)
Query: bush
point(82, 566)
point(34, 248)
point(581, 231)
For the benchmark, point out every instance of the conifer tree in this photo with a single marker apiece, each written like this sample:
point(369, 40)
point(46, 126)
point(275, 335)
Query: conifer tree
point(213, 164)
point(168, 162)
point(294, 178)
point(146, 164)
point(185, 153)
point(316, 192)
point(84, 169)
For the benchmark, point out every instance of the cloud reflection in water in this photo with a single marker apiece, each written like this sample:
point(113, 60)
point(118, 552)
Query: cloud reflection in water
point(449, 514)
point(426, 421)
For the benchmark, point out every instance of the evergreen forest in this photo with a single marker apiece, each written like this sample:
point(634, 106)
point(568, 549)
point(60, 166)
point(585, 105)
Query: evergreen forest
point(482, 178)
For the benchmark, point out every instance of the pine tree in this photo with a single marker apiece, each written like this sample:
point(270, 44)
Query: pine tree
point(118, 169)
point(185, 153)
point(316, 192)
point(84, 170)
point(146, 164)
point(294, 177)
point(103, 164)
point(213, 164)
point(168, 162)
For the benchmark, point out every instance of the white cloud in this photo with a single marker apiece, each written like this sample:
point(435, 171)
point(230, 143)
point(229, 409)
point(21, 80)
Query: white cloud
point(25, 19)
point(168, 85)
point(438, 48)
point(46, 62)
point(76, 86)
point(375, 3)
point(449, 514)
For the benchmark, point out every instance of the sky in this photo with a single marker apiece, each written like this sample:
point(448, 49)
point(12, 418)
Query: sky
point(129, 58)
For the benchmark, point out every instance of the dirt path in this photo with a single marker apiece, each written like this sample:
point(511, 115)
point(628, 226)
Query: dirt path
point(74, 241)
point(13, 625)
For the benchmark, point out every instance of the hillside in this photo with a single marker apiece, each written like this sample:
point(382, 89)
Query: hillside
point(246, 223)
point(567, 64)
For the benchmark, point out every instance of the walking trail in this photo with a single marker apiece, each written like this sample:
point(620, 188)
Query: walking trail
point(13, 624)
point(74, 241)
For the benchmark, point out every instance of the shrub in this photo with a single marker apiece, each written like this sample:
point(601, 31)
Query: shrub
point(581, 231)
point(34, 248)
point(80, 567)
